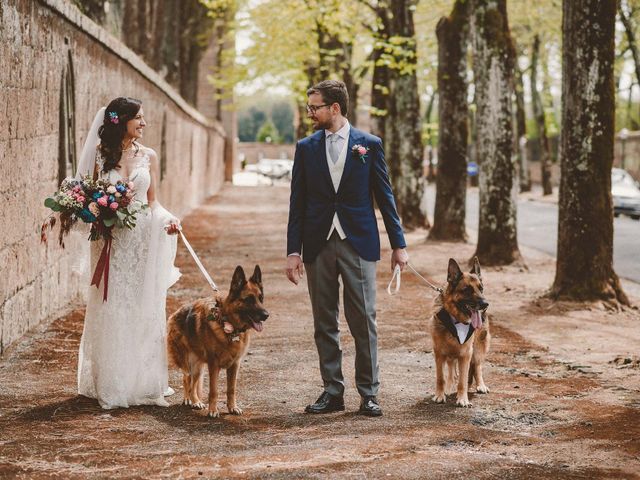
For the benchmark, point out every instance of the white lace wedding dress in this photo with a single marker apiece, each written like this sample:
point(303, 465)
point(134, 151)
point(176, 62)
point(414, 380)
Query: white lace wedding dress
point(123, 356)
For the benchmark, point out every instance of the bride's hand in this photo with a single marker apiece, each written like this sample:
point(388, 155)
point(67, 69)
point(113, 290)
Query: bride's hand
point(174, 227)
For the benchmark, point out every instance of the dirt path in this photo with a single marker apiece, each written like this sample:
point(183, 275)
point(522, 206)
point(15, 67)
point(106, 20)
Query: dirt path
point(558, 407)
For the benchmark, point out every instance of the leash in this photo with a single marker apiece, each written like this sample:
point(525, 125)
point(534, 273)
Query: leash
point(198, 262)
point(397, 273)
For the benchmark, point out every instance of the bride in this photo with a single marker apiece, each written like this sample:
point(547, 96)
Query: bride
point(123, 359)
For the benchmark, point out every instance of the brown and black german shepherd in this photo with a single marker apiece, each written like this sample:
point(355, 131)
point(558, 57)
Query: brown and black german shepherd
point(215, 332)
point(460, 333)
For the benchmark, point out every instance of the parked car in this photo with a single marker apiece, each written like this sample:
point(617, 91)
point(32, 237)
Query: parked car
point(275, 169)
point(626, 194)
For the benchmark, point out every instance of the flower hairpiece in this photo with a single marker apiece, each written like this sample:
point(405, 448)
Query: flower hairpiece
point(114, 117)
point(360, 151)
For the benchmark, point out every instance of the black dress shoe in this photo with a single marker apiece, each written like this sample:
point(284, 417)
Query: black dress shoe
point(326, 403)
point(370, 407)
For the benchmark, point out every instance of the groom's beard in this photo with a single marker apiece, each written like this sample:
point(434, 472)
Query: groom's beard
point(319, 125)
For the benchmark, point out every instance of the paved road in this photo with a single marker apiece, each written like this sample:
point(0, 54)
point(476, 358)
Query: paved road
point(538, 228)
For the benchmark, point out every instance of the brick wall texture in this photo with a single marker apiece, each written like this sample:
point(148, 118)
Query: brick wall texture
point(39, 40)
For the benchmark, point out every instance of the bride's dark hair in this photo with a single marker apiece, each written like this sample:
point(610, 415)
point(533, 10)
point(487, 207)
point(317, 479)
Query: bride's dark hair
point(114, 126)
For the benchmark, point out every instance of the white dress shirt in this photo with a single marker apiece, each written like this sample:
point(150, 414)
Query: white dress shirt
point(336, 169)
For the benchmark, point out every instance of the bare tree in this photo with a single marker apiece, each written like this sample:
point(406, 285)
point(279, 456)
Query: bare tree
point(453, 112)
point(538, 114)
point(584, 268)
point(431, 174)
point(493, 65)
point(520, 137)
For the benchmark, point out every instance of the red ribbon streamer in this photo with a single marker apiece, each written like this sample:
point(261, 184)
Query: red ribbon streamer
point(102, 268)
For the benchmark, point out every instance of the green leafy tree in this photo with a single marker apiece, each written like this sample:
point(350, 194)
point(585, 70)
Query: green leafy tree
point(268, 133)
point(249, 123)
point(282, 117)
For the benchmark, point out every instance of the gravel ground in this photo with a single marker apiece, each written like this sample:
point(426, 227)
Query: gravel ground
point(564, 401)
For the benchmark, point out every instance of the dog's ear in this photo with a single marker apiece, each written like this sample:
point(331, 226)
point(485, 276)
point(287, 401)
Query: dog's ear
point(454, 274)
point(476, 267)
point(257, 276)
point(238, 281)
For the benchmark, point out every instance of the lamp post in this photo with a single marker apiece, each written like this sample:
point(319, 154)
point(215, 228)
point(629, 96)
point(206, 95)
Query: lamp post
point(624, 134)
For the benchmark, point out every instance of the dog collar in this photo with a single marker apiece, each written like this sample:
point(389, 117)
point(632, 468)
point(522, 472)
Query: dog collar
point(215, 314)
point(461, 331)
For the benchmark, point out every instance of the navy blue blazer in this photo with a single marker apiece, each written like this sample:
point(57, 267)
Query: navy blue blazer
point(314, 201)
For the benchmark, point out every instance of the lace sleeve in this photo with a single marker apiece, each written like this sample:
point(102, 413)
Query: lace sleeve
point(99, 161)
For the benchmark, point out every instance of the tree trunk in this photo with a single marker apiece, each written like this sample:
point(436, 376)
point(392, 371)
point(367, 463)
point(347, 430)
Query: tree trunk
point(520, 139)
point(403, 130)
point(493, 62)
point(170, 36)
point(547, 97)
point(538, 114)
point(304, 126)
point(629, 120)
point(453, 113)
point(431, 174)
point(348, 77)
point(627, 21)
point(336, 58)
point(629, 29)
point(379, 80)
point(584, 268)
point(473, 139)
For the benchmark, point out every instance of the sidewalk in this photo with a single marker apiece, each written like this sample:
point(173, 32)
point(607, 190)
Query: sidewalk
point(561, 405)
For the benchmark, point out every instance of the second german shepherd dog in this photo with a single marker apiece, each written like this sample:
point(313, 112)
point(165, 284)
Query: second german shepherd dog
point(215, 332)
point(460, 333)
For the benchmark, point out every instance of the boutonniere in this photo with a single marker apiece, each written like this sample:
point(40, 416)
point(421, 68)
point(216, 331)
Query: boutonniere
point(361, 151)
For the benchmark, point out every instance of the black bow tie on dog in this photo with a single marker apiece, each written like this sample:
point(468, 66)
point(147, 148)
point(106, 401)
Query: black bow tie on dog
point(449, 322)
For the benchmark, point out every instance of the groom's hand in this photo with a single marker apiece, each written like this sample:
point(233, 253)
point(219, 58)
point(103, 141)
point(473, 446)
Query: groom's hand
point(399, 257)
point(295, 268)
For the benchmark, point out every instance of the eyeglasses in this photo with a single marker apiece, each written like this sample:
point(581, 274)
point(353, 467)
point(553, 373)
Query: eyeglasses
point(315, 108)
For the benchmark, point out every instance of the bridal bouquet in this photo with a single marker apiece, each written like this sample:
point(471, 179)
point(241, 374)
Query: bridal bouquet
point(103, 204)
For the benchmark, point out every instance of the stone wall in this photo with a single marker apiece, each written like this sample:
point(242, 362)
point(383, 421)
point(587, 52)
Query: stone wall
point(216, 103)
point(52, 60)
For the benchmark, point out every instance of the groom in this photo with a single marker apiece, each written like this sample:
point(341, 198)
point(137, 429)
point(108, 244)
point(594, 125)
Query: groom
point(336, 173)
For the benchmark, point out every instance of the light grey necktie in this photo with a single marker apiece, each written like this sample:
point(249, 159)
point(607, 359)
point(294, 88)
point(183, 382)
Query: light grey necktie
point(333, 147)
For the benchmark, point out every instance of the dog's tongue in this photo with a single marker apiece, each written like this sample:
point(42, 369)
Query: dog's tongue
point(257, 326)
point(476, 320)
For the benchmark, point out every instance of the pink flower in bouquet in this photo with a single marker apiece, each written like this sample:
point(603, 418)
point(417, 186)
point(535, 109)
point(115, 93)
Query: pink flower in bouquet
point(117, 195)
point(113, 206)
point(111, 189)
point(104, 201)
point(76, 188)
point(80, 198)
point(362, 150)
point(93, 208)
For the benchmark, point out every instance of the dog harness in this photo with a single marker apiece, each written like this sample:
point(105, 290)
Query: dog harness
point(461, 331)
